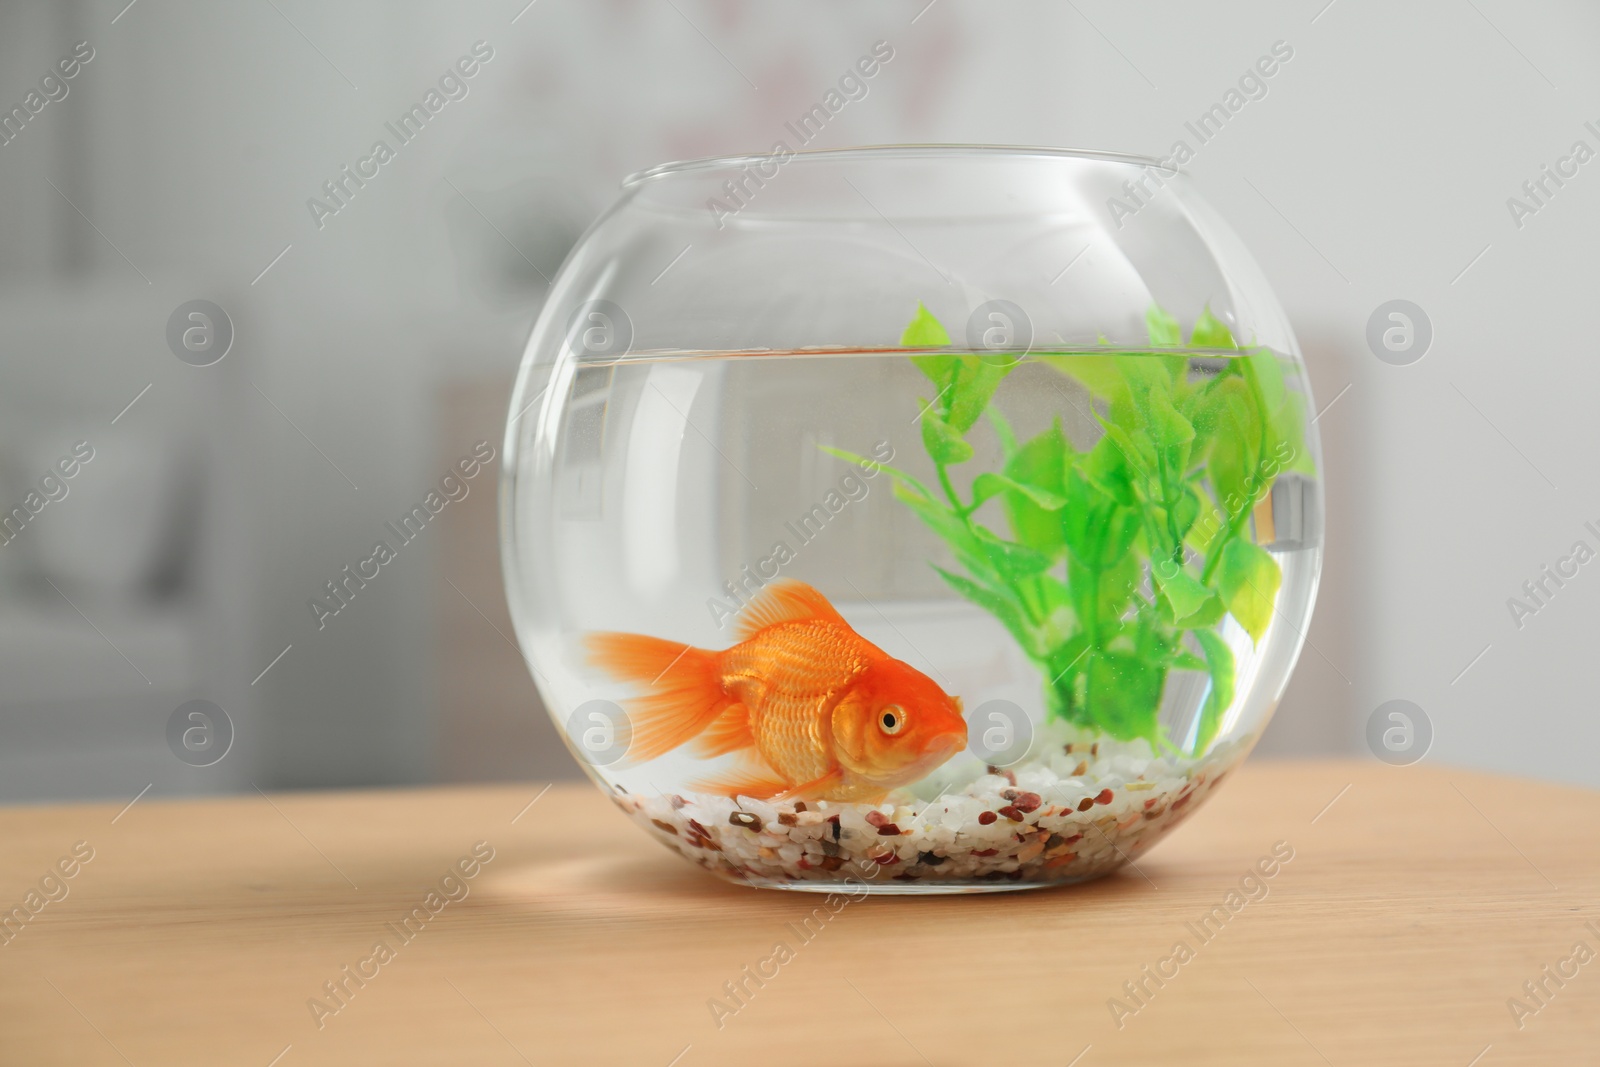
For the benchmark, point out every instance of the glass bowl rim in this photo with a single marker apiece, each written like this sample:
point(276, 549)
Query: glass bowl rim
point(887, 151)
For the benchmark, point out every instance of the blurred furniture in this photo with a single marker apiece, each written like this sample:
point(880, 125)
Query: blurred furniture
point(128, 595)
point(1416, 903)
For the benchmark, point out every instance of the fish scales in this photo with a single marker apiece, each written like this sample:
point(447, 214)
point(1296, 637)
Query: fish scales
point(790, 678)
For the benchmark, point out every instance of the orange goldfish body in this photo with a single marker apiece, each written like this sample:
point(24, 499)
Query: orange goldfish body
point(824, 713)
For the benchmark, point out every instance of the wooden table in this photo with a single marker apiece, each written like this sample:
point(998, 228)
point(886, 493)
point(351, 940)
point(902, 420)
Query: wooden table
point(1417, 903)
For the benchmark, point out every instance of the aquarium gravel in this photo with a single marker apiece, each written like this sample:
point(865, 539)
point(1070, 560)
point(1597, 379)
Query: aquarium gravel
point(1079, 811)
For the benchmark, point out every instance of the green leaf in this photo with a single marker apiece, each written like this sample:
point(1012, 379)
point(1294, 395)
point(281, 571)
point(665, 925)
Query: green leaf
point(1265, 375)
point(1235, 450)
point(989, 485)
point(939, 370)
point(1292, 454)
point(1205, 616)
point(999, 605)
point(1015, 561)
point(965, 382)
point(1118, 584)
point(1210, 332)
point(1166, 422)
point(1249, 581)
point(1121, 529)
point(1037, 471)
point(1281, 412)
point(1208, 520)
point(1143, 373)
point(1145, 409)
point(1172, 434)
point(1122, 693)
point(1185, 511)
point(1041, 462)
point(1152, 382)
point(1098, 374)
point(1034, 476)
point(991, 559)
point(1165, 332)
point(1101, 593)
point(925, 331)
point(1034, 526)
point(1183, 591)
point(1219, 663)
point(1113, 466)
point(1097, 530)
point(1164, 329)
point(954, 532)
point(1069, 655)
point(1181, 659)
point(1205, 406)
point(975, 380)
point(1054, 594)
point(900, 476)
point(1063, 668)
point(943, 443)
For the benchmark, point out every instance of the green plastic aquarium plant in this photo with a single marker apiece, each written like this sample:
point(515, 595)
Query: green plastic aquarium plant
point(1122, 558)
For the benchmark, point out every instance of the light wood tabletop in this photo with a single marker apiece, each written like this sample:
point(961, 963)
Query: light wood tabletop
point(1416, 904)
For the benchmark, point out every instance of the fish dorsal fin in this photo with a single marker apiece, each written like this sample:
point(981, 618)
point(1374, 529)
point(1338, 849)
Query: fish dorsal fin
point(785, 601)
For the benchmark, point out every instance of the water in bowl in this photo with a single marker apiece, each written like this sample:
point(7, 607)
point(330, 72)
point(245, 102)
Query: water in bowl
point(1105, 561)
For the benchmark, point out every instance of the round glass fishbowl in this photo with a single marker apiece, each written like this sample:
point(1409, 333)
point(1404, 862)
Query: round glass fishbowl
point(913, 519)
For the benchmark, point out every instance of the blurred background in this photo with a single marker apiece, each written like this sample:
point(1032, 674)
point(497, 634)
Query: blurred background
point(370, 342)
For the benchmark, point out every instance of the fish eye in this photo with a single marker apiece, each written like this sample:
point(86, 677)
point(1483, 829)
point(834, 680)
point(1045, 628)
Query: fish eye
point(891, 719)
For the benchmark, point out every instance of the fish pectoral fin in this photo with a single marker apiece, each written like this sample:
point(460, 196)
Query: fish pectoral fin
point(756, 784)
point(817, 788)
point(730, 732)
point(785, 601)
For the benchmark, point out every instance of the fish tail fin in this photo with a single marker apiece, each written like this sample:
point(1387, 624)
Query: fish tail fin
point(684, 688)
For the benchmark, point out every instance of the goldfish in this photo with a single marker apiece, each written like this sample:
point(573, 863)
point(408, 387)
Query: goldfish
point(814, 709)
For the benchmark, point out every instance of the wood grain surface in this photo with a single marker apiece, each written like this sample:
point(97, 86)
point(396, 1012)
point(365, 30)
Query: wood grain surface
point(1416, 905)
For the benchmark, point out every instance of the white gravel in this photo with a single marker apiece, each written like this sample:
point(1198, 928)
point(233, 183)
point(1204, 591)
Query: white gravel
point(1080, 810)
